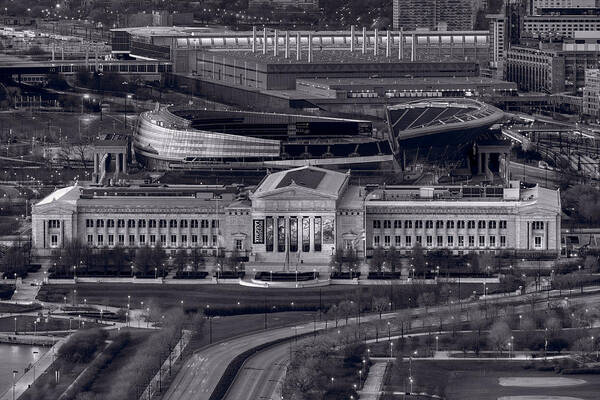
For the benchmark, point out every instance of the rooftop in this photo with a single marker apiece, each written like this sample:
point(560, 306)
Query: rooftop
point(483, 195)
point(307, 177)
point(415, 82)
point(319, 56)
point(321, 180)
point(174, 31)
point(64, 194)
point(156, 190)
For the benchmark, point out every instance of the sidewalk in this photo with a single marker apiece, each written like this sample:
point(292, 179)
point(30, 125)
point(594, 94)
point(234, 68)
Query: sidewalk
point(374, 382)
point(25, 380)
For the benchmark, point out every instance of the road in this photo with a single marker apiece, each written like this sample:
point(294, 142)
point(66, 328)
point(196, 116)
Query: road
point(202, 371)
point(263, 373)
point(530, 172)
point(200, 374)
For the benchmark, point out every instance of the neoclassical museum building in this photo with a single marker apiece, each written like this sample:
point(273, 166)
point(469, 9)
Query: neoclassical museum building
point(299, 217)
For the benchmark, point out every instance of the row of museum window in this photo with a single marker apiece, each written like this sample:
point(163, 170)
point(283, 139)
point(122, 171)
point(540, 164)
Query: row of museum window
point(151, 223)
point(183, 242)
point(450, 242)
point(440, 224)
point(152, 240)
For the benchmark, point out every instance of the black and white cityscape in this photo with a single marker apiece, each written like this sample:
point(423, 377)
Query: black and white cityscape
point(299, 199)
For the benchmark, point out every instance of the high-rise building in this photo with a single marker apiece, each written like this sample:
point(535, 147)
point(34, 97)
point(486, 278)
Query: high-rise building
point(554, 67)
point(591, 93)
point(498, 42)
point(539, 6)
point(430, 14)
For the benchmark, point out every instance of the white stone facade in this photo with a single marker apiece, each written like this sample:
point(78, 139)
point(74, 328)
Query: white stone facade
point(300, 217)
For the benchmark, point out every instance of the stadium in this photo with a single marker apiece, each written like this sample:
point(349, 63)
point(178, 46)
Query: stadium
point(170, 138)
point(442, 129)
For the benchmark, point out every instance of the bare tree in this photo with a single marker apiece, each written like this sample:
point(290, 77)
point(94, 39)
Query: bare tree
point(347, 308)
point(426, 300)
point(334, 311)
point(478, 322)
point(499, 335)
point(180, 260)
point(377, 259)
point(404, 317)
point(393, 259)
point(380, 304)
point(81, 152)
point(65, 154)
point(196, 259)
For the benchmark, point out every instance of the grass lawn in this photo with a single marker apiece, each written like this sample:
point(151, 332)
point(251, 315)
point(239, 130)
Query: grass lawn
point(228, 296)
point(18, 308)
point(476, 380)
point(25, 323)
point(197, 295)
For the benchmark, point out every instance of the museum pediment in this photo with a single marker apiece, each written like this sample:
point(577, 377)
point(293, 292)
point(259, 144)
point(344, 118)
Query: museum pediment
point(295, 192)
point(54, 209)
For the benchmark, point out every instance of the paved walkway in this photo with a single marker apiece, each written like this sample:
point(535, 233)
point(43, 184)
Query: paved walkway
point(374, 382)
point(25, 380)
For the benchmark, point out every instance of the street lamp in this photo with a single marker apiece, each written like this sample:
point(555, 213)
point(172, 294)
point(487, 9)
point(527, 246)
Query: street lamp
point(14, 381)
point(126, 98)
point(35, 353)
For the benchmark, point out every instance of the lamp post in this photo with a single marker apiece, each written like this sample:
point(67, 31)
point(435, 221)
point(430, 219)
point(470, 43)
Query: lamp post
point(35, 353)
point(437, 342)
point(410, 378)
point(126, 98)
point(360, 377)
point(15, 325)
point(209, 323)
point(14, 381)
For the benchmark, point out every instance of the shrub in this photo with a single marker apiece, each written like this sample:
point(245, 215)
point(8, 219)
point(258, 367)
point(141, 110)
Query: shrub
point(82, 346)
point(557, 344)
point(6, 291)
point(340, 391)
point(84, 382)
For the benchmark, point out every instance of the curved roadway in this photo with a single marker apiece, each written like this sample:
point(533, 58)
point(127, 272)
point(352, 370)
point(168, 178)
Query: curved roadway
point(202, 371)
point(262, 374)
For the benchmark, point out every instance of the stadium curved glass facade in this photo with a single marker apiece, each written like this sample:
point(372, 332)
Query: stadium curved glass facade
point(162, 138)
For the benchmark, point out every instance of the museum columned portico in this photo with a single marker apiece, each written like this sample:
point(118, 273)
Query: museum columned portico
point(294, 216)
